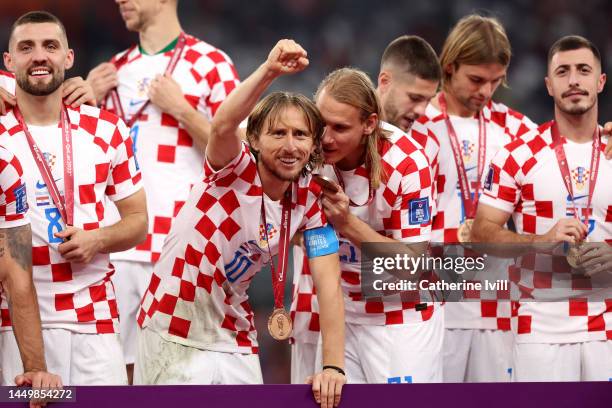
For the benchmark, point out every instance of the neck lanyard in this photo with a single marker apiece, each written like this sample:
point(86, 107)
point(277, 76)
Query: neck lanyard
point(114, 95)
point(469, 203)
point(278, 276)
point(351, 202)
point(64, 205)
point(564, 168)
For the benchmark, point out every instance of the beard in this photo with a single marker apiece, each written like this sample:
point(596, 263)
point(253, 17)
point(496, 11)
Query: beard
point(39, 89)
point(574, 109)
point(395, 118)
point(284, 176)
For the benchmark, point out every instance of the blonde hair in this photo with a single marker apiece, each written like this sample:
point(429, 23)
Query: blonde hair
point(475, 40)
point(353, 87)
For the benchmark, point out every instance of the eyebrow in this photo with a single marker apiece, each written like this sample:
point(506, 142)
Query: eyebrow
point(579, 66)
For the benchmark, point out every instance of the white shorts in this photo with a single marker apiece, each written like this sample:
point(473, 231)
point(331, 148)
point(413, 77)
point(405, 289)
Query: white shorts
point(303, 358)
point(588, 361)
point(79, 359)
point(477, 355)
point(164, 362)
point(397, 353)
point(131, 280)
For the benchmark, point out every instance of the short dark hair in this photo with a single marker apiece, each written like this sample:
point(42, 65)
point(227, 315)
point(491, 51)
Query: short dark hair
point(414, 56)
point(37, 17)
point(570, 43)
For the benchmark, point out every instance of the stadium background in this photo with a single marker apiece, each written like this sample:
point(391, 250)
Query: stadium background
point(338, 33)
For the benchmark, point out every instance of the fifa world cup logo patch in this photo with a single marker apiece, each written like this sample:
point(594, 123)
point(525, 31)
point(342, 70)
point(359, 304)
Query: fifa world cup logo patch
point(467, 150)
point(263, 242)
point(580, 175)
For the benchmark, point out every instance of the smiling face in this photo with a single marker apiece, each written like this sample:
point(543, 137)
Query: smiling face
point(39, 57)
point(473, 86)
point(285, 145)
point(574, 80)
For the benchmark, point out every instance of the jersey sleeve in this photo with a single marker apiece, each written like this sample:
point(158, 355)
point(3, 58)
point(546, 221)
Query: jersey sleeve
point(501, 186)
point(220, 76)
point(310, 197)
point(411, 217)
point(422, 134)
point(13, 197)
point(125, 178)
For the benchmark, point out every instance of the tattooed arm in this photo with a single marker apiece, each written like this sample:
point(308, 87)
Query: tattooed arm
point(16, 280)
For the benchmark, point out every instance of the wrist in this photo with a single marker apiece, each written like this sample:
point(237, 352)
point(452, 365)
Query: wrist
point(99, 239)
point(182, 112)
point(335, 368)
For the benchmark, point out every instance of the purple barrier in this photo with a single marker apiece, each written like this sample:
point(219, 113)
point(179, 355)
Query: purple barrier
point(540, 395)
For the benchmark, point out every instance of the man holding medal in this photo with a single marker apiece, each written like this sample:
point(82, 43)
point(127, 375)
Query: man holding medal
point(16, 278)
point(466, 129)
point(73, 161)
point(197, 324)
point(166, 88)
point(553, 181)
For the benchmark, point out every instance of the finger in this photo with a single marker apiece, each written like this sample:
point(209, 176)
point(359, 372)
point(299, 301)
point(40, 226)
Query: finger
point(37, 380)
point(76, 255)
point(68, 87)
point(316, 388)
point(309, 379)
point(338, 392)
point(73, 96)
point(21, 380)
point(65, 247)
point(2, 108)
point(82, 99)
point(327, 394)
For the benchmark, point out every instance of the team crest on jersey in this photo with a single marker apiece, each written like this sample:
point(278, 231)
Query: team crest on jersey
point(467, 148)
point(142, 87)
point(51, 159)
point(580, 175)
point(263, 242)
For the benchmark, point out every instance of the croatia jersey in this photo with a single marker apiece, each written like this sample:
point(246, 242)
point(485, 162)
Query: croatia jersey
point(165, 153)
point(7, 81)
point(74, 296)
point(401, 209)
point(198, 292)
point(525, 180)
point(502, 126)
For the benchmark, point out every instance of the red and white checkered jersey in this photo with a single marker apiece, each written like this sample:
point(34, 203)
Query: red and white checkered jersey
point(525, 180)
point(502, 126)
point(13, 206)
point(198, 292)
point(407, 183)
point(7, 81)
point(13, 203)
point(73, 296)
point(165, 152)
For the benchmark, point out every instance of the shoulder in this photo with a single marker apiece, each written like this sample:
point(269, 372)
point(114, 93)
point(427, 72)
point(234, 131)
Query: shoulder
point(199, 52)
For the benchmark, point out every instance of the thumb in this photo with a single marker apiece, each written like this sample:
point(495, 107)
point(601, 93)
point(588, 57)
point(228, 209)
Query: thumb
point(68, 231)
point(309, 379)
point(22, 380)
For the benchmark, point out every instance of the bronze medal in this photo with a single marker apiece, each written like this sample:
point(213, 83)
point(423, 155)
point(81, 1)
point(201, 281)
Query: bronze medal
point(573, 254)
point(280, 325)
point(464, 231)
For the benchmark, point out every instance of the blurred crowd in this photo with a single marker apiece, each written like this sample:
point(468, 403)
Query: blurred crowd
point(339, 33)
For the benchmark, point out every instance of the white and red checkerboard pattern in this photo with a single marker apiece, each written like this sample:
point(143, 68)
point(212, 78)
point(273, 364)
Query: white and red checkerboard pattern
point(527, 182)
point(198, 292)
point(11, 180)
point(7, 81)
point(165, 152)
point(76, 297)
point(502, 126)
point(408, 177)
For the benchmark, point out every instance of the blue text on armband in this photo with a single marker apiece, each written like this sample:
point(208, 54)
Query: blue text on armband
point(320, 241)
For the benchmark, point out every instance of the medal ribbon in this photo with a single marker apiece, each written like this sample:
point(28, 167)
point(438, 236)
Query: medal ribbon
point(65, 205)
point(114, 95)
point(564, 168)
point(469, 204)
point(278, 279)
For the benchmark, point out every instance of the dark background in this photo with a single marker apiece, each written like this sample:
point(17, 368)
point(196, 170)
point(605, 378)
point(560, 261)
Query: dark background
point(338, 33)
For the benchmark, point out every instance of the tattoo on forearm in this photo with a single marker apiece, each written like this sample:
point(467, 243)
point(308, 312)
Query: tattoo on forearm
point(20, 245)
point(2, 242)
